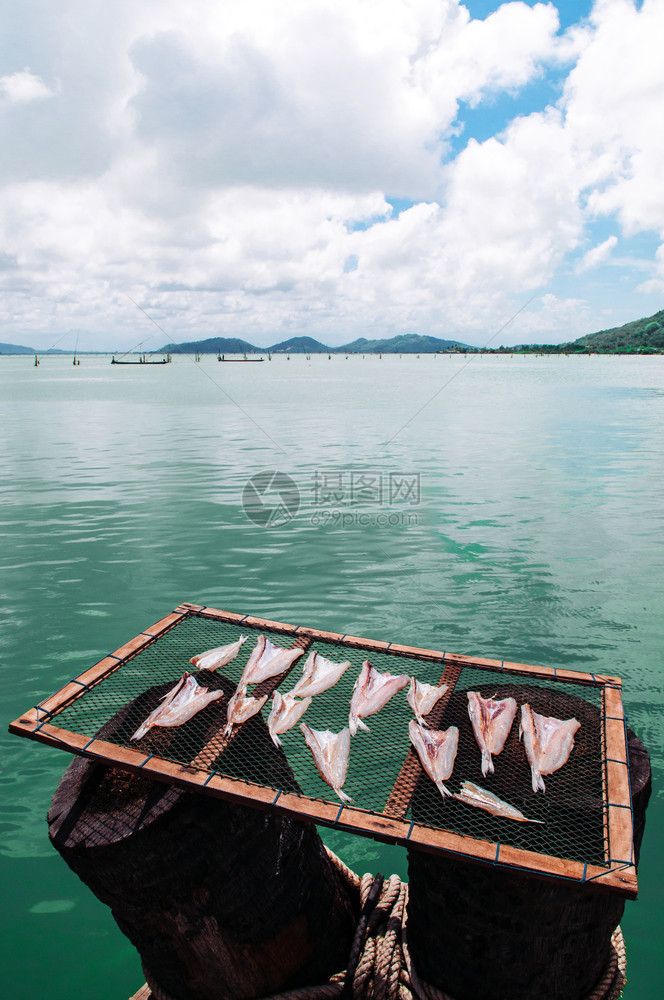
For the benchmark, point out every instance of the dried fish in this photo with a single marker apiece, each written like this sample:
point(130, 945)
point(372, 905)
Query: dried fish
point(492, 721)
point(548, 743)
point(422, 697)
point(286, 711)
point(318, 675)
point(330, 752)
point(372, 690)
point(219, 657)
point(266, 661)
point(178, 705)
point(437, 751)
point(473, 795)
point(240, 708)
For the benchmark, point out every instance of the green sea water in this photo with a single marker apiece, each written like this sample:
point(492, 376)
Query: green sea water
point(501, 506)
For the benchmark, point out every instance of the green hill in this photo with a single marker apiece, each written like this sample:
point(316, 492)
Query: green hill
point(214, 345)
point(15, 349)
point(405, 343)
point(301, 345)
point(645, 334)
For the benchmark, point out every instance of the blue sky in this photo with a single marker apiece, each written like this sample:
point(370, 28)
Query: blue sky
point(334, 168)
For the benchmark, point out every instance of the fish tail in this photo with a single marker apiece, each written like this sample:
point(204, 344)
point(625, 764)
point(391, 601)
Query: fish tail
point(140, 732)
point(363, 725)
point(487, 763)
point(538, 781)
point(229, 729)
point(275, 739)
point(343, 796)
point(444, 791)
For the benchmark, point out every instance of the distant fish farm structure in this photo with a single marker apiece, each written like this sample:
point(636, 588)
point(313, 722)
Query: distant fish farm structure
point(141, 360)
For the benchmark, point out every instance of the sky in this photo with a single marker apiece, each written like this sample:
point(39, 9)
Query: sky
point(490, 173)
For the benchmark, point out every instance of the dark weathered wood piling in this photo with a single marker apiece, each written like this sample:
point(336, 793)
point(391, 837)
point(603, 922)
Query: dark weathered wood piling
point(219, 899)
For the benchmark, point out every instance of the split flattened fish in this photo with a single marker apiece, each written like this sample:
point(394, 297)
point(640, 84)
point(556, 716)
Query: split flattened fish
point(437, 751)
point(240, 708)
point(473, 795)
point(286, 711)
point(372, 690)
point(213, 659)
point(266, 661)
point(422, 697)
point(330, 752)
point(492, 721)
point(548, 743)
point(178, 705)
point(318, 675)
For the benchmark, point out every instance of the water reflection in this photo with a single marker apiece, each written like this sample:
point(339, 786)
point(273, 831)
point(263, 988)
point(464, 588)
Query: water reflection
point(537, 536)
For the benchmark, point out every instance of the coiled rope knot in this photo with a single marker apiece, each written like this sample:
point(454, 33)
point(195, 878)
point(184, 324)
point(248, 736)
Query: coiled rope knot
point(380, 972)
point(379, 965)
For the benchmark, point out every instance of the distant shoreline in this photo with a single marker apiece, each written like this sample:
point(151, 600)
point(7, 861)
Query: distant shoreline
point(466, 352)
point(641, 336)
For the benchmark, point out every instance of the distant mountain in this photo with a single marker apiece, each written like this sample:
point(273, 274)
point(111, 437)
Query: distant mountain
point(215, 345)
point(361, 344)
point(18, 349)
point(301, 345)
point(405, 343)
point(15, 349)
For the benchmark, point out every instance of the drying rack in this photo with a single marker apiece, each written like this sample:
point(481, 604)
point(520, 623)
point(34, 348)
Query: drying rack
point(587, 828)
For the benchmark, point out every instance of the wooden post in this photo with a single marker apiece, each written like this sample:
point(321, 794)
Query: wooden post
point(483, 933)
point(219, 899)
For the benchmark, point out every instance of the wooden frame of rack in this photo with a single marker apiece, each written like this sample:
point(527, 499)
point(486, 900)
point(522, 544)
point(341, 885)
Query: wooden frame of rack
point(390, 826)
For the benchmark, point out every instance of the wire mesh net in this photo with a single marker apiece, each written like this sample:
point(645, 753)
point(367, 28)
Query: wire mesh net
point(571, 811)
point(572, 808)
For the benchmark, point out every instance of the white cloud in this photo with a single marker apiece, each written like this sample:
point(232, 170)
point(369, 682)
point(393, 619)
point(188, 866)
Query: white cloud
point(597, 255)
point(551, 319)
point(502, 52)
point(224, 163)
point(23, 87)
point(512, 205)
point(655, 284)
point(338, 94)
point(613, 110)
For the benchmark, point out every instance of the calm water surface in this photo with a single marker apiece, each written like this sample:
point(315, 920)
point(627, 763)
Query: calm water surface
point(518, 515)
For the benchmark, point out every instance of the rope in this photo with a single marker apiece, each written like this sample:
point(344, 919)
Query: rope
point(359, 940)
point(380, 966)
point(612, 983)
point(347, 874)
point(384, 970)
